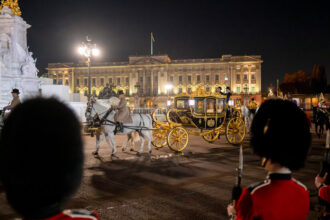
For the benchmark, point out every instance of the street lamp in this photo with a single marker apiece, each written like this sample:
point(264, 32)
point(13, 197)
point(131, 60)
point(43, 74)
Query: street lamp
point(88, 50)
point(168, 87)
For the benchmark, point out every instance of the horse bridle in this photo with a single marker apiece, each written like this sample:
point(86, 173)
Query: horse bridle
point(96, 120)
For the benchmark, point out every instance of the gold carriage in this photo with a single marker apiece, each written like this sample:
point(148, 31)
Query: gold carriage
point(201, 114)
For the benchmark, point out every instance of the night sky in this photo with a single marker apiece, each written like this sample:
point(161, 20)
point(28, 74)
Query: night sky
point(289, 35)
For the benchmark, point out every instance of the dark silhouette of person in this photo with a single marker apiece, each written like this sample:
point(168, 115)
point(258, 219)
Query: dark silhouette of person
point(41, 160)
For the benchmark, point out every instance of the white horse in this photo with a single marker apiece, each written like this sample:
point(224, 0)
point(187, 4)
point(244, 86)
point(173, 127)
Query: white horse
point(247, 116)
point(141, 123)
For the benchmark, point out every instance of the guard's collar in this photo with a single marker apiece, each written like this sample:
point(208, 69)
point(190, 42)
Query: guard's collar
point(280, 174)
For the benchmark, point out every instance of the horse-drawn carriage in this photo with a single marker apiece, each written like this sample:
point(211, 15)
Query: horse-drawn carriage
point(201, 114)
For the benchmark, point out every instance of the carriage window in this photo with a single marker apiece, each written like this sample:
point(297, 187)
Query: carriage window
point(199, 105)
point(220, 105)
point(210, 106)
point(182, 104)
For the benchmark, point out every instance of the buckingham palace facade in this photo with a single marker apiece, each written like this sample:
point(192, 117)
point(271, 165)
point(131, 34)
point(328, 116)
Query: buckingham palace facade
point(145, 77)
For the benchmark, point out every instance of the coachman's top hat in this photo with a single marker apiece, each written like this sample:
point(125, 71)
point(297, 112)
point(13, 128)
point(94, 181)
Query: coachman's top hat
point(15, 91)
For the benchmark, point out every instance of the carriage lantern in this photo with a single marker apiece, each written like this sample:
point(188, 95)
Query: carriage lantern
point(191, 102)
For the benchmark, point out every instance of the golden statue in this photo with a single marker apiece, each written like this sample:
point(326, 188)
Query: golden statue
point(12, 5)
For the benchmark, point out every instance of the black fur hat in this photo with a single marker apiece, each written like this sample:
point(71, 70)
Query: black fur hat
point(120, 92)
point(15, 91)
point(280, 132)
point(41, 156)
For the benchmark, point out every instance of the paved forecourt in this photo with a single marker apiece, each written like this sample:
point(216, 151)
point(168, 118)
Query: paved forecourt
point(165, 185)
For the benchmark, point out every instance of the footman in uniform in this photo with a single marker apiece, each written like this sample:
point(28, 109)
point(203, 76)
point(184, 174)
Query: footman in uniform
point(281, 137)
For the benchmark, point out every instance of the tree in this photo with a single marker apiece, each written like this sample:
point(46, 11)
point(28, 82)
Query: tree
point(298, 82)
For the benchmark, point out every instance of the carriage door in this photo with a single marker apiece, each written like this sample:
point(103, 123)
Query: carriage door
point(210, 112)
point(220, 111)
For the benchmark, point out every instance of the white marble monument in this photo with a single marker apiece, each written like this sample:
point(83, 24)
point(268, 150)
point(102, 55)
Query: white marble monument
point(17, 66)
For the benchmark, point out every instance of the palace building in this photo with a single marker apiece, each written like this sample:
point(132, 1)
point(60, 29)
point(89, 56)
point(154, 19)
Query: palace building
point(145, 79)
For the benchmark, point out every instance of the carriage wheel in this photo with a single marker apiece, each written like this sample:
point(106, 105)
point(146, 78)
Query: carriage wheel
point(159, 137)
point(177, 139)
point(235, 131)
point(211, 137)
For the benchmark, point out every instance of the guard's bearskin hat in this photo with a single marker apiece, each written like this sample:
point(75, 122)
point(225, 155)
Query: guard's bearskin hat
point(280, 132)
point(41, 156)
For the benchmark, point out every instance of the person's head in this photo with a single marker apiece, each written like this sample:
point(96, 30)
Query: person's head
point(280, 132)
point(121, 93)
point(41, 155)
point(219, 89)
point(252, 99)
point(15, 92)
point(228, 89)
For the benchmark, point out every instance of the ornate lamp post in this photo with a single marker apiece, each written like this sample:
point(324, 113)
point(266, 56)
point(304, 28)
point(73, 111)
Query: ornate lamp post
point(88, 50)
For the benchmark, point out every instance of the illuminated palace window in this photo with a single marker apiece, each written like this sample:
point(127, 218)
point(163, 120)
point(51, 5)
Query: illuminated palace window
point(189, 79)
point(110, 80)
point(207, 78)
point(94, 82)
point(238, 89)
point(226, 77)
point(253, 77)
point(77, 82)
point(198, 78)
point(118, 81)
point(102, 81)
point(85, 82)
point(189, 90)
point(245, 77)
point(180, 90)
point(180, 79)
point(238, 77)
point(253, 90)
point(217, 78)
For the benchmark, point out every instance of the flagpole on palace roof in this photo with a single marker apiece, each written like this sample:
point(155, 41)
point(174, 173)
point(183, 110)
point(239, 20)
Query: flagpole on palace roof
point(152, 40)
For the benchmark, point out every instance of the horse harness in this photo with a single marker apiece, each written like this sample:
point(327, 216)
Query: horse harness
point(97, 121)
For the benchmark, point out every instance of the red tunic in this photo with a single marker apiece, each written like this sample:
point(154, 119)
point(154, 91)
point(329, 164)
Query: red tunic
point(74, 214)
point(279, 197)
point(324, 193)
